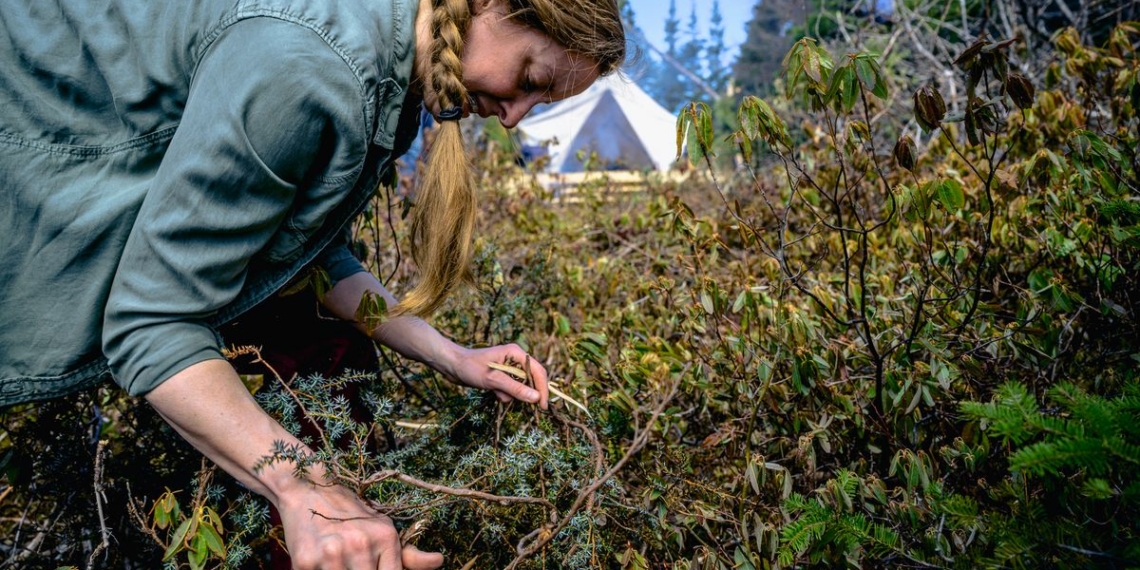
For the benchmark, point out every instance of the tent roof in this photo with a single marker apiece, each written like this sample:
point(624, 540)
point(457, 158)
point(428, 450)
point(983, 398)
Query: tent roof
point(614, 118)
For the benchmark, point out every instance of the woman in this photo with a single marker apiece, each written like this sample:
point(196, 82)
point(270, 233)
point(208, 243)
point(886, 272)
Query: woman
point(167, 166)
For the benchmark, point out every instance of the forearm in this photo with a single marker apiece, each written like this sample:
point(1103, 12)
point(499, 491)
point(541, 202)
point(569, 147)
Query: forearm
point(416, 339)
point(207, 404)
point(410, 336)
point(326, 526)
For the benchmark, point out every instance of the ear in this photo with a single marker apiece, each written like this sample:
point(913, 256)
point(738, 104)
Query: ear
point(480, 6)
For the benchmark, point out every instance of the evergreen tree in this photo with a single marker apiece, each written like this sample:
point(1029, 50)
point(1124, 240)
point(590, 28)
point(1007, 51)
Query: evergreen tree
point(689, 57)
point(717, 74)
point(626, 11)
point(677, 74)
point(770, 35)
point(668, 84)
point(672, 26)
point(639, 66)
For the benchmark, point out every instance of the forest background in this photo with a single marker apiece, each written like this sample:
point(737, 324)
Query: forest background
point(884, 315)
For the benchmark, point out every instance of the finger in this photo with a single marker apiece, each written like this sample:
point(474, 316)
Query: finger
point(504, 397)
point(390, 551)
point(503, 383)
point(361, 555)
point(416, 559)
point(538, 374)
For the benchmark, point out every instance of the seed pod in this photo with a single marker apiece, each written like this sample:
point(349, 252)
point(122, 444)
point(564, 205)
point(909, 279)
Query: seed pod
point(967, 57)
point(905, 152)
point(929, 108)
point(1020, 90)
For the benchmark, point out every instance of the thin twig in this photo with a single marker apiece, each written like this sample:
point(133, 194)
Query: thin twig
point(104, 534)
point(390, 474)
point(548, 532)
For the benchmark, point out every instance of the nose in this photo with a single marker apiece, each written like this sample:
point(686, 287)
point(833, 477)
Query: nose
point(513, 111)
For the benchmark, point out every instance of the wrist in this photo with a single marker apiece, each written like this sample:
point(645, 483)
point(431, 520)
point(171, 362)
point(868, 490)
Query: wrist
point(285, 487)
point(414, 338)
point(447, 358)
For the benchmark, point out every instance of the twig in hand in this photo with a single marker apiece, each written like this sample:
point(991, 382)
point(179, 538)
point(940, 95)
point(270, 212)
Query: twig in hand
point(140, 520)
point(522, 375)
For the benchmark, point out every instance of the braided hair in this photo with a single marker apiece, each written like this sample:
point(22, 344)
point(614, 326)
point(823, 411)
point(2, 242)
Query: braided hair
point(444, 216)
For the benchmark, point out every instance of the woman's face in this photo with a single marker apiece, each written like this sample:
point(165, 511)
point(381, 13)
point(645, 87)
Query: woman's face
point(508, 67)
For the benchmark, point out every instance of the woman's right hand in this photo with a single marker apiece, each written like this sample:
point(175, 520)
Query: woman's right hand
point(329, 528)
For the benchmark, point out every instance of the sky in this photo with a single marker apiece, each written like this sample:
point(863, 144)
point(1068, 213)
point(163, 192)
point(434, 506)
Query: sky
point(650, 17)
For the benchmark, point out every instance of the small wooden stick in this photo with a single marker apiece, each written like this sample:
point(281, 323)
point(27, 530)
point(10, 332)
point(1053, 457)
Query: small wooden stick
point(522, 375)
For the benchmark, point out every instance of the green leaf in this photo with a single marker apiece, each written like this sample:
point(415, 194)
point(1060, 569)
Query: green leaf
point(751, 476)
point(879, 89)
point(703, 129)
point(811, 66)
point(212, 540)
point(198, 552)
point(836, 86)
point(745, 145)
point(177, 540)
point(742, 561)
point(372, 310)
point(951, 195)
point(850, 90)
point(683, 120)
point(562, 325)
point(707, 303)
point(1040, 280)
point(1097, 489)
point(738, 304)
point(865, 69)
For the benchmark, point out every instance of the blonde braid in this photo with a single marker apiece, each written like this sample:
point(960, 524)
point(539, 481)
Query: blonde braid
point(445, 200)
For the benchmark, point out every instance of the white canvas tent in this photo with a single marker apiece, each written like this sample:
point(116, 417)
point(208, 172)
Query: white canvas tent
point(614, 118)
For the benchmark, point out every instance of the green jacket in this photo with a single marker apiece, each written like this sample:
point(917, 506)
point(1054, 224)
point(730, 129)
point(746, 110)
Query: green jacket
point(165, 166)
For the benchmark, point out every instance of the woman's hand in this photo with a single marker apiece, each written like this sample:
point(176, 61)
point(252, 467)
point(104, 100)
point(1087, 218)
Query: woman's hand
point(470, 367)
point(328, 528)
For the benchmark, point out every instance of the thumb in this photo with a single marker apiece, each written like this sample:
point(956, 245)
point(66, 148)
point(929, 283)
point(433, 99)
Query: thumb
point(512, 388)
point(416, 559)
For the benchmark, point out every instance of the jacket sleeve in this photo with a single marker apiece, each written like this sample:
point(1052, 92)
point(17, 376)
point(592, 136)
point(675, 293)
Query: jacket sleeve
point(338, 261)
point(270, 107)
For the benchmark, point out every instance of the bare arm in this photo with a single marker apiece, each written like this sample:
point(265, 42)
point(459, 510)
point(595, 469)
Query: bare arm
point(416, 339)
point(326, 526)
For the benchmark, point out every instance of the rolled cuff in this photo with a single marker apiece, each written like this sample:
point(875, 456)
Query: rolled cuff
point(339, 263)
point(161, 351)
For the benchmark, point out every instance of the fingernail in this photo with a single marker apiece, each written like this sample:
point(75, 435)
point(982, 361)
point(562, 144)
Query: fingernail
point(532, 396)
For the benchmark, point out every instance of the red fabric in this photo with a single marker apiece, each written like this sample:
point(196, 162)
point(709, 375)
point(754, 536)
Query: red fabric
point(296, 339)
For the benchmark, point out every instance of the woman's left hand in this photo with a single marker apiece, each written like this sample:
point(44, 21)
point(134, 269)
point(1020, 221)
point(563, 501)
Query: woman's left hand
point(470, 367)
